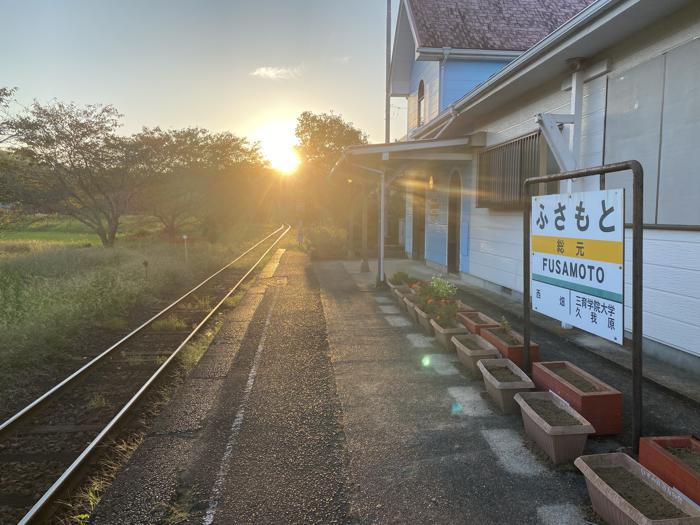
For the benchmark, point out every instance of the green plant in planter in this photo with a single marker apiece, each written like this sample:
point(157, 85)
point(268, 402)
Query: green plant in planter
point(441, 288)
point(505, 325)
point(433, 294)
point(399, 278)
point(445, 313)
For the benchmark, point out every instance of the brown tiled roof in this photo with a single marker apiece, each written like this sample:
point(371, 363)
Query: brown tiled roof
point(513, 25)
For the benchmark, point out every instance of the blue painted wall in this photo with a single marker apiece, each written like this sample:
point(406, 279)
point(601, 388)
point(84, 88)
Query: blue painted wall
point(429, 73)
point(459, 77)
point(467, 206)
point(408, 225)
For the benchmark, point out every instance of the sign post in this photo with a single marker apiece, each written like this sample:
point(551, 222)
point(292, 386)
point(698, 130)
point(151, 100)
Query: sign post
point(573, 264)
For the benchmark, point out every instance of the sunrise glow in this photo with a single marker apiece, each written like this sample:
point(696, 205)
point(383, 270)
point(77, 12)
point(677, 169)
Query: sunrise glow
point(278, 145)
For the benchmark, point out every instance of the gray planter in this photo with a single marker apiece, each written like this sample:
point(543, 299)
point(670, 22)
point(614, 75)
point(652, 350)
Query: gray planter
point(400, 294)
point(503, 392)
point(613, 508)
point(411, 309)
point(444, 335)
point(563, 444)
point(472, 348)
point(424, 320)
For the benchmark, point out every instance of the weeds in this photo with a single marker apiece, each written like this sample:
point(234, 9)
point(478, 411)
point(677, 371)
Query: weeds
point(97, 402)
point(171, 323)
point(89, 495)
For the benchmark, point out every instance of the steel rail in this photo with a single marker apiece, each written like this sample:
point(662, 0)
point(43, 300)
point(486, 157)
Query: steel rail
point(58, 484)
point(49, 393)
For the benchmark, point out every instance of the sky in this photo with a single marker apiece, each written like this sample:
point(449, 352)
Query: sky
point(250, 67)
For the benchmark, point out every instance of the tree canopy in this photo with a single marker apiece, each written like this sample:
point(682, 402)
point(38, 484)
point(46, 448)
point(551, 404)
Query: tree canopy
point(323, 137)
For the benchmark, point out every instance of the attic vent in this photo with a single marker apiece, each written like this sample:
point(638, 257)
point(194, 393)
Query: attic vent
point(503, 169)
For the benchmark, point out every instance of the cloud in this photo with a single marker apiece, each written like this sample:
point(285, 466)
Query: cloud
point(343, 60)
point(277, 73)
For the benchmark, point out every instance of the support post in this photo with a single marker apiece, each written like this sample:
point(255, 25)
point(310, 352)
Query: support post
point(364, 267)
point(382, 220)
point(351, 231)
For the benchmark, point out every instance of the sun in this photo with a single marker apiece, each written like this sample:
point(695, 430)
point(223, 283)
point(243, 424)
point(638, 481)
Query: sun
point(278, 146)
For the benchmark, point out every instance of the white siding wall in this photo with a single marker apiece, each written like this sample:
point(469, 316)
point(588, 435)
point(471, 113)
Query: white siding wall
point(496, 237)
point(672, 258)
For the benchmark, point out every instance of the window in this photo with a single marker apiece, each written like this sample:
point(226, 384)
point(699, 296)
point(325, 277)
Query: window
point(504, 168)
point(421, 103)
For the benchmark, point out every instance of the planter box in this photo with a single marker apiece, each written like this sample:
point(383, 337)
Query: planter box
point(602, 407)
point(653, 455)
point(464, 307)
point(562, 443)
point(613, 508)
point(471, 348)
point(411, 309)
point(444, 335)
point(503, 392)
point(399, 298)
point(424, 320)
point(476, 321)
point(514, 352)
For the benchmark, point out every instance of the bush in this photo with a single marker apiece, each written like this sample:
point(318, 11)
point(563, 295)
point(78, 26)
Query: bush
point(399, 278)
point(326, 242)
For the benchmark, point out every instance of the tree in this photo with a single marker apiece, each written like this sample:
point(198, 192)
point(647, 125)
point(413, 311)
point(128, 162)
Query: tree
point(196, 173)
point(6, 95)
point(73, 163)
point(323, 137)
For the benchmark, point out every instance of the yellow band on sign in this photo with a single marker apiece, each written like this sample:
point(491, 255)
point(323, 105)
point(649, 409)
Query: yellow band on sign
point(603, 251)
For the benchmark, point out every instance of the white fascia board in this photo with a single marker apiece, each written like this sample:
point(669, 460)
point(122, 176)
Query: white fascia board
point(440, 53)
point(399, 147)
point(411, 22)
point(399, 80)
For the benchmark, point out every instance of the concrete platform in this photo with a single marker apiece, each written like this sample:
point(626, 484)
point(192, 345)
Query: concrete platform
point(320, 403)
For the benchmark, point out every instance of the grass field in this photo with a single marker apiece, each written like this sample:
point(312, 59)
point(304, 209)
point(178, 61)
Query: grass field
point(57, 284)
point(69, 231)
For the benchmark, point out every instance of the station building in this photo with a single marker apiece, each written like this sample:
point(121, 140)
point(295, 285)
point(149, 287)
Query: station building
point(499, 91)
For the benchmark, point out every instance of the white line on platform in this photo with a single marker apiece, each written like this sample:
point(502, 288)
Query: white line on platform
point(468, 402)
point(238, 420)
point(397, 320)
point(420, 341)
point(389, 309)
point(508, 448)
point(564, 513)
point(442, 364)
point(382, 300)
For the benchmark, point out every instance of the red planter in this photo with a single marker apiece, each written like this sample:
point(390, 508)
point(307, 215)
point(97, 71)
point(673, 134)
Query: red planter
point(602, 407)
point(514, 352)
point(654, 456)
point(476, 321)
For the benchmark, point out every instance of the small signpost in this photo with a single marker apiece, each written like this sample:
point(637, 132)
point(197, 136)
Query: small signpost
point(573, 263)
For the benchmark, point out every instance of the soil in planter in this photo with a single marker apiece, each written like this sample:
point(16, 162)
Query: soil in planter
point(573, 378)
point(688, 456)
point(639, 494)
point(552, 414)
point(506, 337)
point(504, 375)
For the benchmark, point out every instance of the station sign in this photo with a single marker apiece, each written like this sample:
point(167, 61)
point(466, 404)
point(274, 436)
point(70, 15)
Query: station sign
point(577, 256)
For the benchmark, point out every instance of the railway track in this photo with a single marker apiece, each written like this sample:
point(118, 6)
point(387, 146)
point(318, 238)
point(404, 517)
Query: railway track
point(44, 446)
